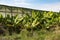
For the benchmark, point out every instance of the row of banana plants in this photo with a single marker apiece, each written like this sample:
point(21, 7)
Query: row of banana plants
point(37, 20)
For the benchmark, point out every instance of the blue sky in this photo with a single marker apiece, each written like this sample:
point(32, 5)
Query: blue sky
point(49, 5)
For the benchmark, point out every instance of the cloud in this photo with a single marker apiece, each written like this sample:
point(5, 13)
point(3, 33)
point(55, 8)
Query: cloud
point(49, 7)
point(25, 3)
point(52, 7)
point(21, 2)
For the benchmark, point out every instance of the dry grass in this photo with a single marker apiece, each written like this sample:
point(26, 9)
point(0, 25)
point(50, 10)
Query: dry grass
point(36, 35)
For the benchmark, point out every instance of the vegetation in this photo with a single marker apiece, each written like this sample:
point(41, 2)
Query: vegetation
point(37, 26)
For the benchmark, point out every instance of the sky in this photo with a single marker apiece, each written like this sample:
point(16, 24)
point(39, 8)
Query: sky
point(48, 5)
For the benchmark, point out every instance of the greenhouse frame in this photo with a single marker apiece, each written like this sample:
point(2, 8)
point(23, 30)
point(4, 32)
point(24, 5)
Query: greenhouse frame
point(12, 10)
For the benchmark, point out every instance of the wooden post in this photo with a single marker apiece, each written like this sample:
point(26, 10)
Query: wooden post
point(11, 10)
point(17, 10)
point(5, 11)
point(22, 11)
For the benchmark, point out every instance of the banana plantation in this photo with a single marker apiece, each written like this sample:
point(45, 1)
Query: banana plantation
point(36, 20)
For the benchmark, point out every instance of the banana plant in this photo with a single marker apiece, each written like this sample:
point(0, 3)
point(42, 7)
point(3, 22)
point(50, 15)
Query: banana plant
point(8, 20)
point(36, 18)
point(1, 18)
point(35, 22)
point(17, 20)
point(47, 19)
point(27, 21)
